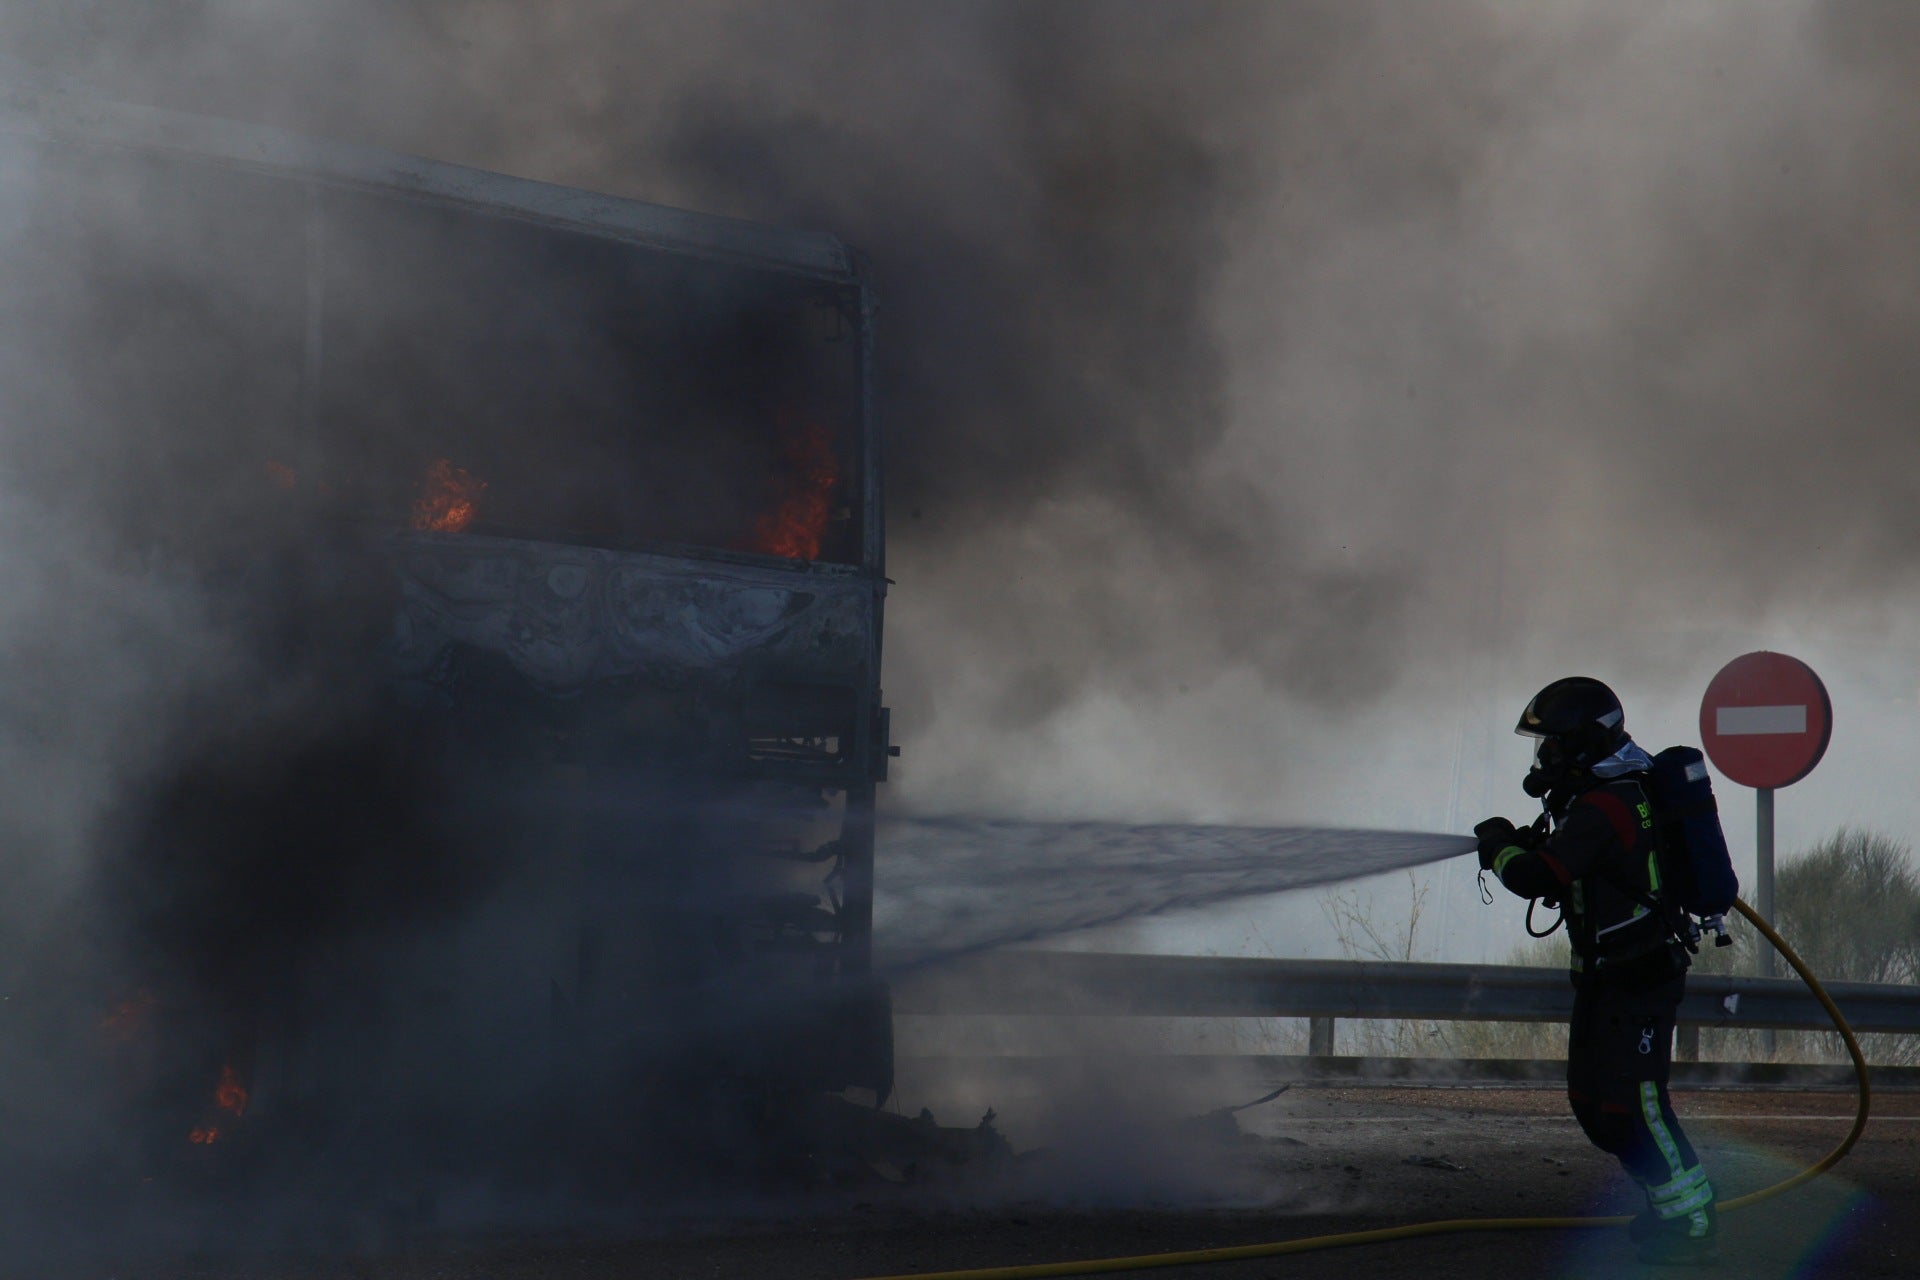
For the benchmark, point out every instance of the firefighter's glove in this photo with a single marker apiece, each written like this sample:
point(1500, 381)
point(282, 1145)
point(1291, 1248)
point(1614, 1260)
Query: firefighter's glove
point(1496, 834)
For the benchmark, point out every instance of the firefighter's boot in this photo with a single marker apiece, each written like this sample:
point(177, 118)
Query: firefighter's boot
point(1689, 1239)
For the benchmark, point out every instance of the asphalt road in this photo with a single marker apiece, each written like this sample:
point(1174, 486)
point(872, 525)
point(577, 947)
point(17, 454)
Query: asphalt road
point(1313, 1162)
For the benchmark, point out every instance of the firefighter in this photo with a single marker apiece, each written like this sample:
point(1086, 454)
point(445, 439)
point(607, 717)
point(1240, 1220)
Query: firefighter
point(1592, 854)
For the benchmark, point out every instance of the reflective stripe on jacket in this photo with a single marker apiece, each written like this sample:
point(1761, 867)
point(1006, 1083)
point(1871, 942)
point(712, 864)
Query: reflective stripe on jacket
point(1601, 854)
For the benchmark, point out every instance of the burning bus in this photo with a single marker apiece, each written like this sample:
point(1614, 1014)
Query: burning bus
point(539, 534)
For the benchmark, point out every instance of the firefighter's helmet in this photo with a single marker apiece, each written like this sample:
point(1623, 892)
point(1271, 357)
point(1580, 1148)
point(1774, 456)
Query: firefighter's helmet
point(1578, 722)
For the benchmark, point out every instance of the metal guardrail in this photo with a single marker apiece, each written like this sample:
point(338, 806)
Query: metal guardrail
point(1068, 982)
point(1045, 1071)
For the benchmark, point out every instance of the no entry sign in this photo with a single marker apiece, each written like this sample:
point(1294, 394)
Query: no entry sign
point(1765, 720)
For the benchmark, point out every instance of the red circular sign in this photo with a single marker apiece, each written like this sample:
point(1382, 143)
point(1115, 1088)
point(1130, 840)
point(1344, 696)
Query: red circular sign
point(1765, 720)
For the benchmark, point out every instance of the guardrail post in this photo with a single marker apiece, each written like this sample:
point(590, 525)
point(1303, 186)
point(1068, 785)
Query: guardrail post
point(1686, 1042)
point(1320, 1037)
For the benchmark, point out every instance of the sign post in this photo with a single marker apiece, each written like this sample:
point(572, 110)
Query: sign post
point(1765, 722)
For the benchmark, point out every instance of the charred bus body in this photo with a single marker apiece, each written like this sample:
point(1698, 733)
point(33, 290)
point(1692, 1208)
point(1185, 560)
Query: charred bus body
point(541, 532)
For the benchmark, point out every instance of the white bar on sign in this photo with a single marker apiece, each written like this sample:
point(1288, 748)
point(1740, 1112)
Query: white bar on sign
point(1732, 722)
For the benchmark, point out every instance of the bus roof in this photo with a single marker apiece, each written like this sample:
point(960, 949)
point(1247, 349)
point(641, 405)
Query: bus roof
point(38, 110)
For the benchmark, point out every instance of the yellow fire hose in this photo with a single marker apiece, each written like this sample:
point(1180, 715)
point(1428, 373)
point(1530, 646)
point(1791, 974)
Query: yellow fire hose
point(1310, 1244)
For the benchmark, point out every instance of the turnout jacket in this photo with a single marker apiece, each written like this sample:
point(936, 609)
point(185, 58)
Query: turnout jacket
point(1598, 864)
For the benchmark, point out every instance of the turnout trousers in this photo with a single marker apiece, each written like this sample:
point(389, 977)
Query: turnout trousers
point(1619, 1054)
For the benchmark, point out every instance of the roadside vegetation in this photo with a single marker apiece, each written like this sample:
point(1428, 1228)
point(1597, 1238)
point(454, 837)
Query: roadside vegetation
point(1850, 906)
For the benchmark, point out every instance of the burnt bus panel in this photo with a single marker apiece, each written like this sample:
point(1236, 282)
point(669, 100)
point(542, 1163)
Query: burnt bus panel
point(568, 617)
point(809, 724)
point(593, 391)
point(568, 508)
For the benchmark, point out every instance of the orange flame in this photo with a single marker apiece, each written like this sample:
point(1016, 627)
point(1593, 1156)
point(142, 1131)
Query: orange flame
point(231, 1095)
point(796, 527)
point(449, 498)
